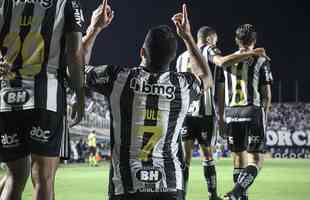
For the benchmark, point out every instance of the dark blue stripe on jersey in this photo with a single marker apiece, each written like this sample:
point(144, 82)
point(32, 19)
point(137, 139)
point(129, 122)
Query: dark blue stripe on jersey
point(126, 104)
point(151, 104)
point(229, 82)
point(18, 63)
point(24, 30)
point(111, 190)
point(41, 78)
point(250, 89)
point(112, 142)
point(175, 109)
point(8, 6)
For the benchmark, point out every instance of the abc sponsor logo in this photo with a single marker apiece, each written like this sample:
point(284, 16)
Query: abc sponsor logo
point(149, 175)
point(10, 141)
point(44, 3)
point(16, 97)
point(38, 134)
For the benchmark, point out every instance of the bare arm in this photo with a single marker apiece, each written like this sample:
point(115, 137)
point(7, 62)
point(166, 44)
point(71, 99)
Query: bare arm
point(231, 59)
point(266, 97)
point(101, 18)
point(200, 66)
point(75, 62)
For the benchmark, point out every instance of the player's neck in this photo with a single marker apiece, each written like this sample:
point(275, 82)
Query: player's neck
point(202, 43)
point(156, 68)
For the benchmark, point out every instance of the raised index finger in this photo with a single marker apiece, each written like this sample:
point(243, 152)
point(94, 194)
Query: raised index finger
point(185, 13)
point(104, 3)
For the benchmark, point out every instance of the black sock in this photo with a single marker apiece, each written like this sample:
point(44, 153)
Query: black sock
point(245, 180)
point(210, 176)
point(236, 174)
point(185, 175)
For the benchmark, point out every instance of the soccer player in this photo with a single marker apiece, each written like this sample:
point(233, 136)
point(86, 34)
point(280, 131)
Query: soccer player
point(244, 103)
point(200, 121)
point(37, 41)
point(92, 146)
point(148, 106)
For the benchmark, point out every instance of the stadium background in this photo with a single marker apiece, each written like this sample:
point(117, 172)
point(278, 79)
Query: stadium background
point(282, 31)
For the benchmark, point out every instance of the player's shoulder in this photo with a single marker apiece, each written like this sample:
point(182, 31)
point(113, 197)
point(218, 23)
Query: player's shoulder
point(263, 60)
point(187, 77)
point(184, 54)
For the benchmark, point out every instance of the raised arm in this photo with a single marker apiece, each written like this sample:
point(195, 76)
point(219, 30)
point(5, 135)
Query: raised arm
point(101, 18)
point(200, 66)
point(231, 59)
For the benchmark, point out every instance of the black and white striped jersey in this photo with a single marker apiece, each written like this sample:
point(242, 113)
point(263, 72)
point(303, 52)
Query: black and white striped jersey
point(147, 112)
point(243, 83)
point(32, 40)
point(203, 106)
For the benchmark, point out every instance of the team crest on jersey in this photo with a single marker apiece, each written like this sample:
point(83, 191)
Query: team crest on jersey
point(44, 3)
point(149, 175)
point(144, 87)
point(16, 97)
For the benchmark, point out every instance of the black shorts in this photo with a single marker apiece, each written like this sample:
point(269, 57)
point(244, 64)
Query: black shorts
point(247, 136)
point(92, 151)
point(34, 131)
point(199, 128)
point(179, 195)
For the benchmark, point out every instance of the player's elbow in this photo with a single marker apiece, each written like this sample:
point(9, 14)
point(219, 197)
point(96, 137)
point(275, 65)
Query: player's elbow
point(220, 62)
point(208, 82)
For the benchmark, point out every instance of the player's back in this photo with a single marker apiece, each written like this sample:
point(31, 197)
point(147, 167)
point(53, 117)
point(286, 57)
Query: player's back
point(243, 82)
point(147, 113)
point(33, 42)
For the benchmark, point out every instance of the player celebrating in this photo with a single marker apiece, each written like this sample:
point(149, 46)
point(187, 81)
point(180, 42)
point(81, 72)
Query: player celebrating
point(34, 37)
point(247, 100)
point(148, 106)
point(200, 121)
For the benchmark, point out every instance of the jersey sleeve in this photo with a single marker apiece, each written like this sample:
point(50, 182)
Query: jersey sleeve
point(195, 85)
point(266, 77)
point(101, 79)
point(179, 64)
point(74, 17)
point(211, 52)
point(1, 14)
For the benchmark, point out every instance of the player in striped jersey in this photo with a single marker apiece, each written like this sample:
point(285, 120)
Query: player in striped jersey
point(35, 37)
point(148, 105)
point(200, 121)
point(247, 89)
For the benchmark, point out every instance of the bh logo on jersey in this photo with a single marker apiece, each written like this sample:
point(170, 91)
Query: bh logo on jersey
point(38, 134)
point(16, 97)
point(149, 175)
point(9, 141)
point(44, 3)
point(144, 87)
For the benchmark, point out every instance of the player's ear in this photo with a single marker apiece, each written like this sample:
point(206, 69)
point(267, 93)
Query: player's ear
point(142, 53)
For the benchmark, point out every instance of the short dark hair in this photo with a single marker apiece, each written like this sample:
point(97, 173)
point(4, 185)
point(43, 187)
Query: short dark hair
point(246, 34)
point(161, 45)
point(205, 32)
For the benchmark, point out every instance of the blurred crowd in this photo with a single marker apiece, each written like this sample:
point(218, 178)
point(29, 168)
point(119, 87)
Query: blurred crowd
point(80, 151)
point(283, 116)
point(289, 116)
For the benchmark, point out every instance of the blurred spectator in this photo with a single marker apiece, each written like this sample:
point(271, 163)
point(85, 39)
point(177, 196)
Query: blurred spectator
point(289, 116)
